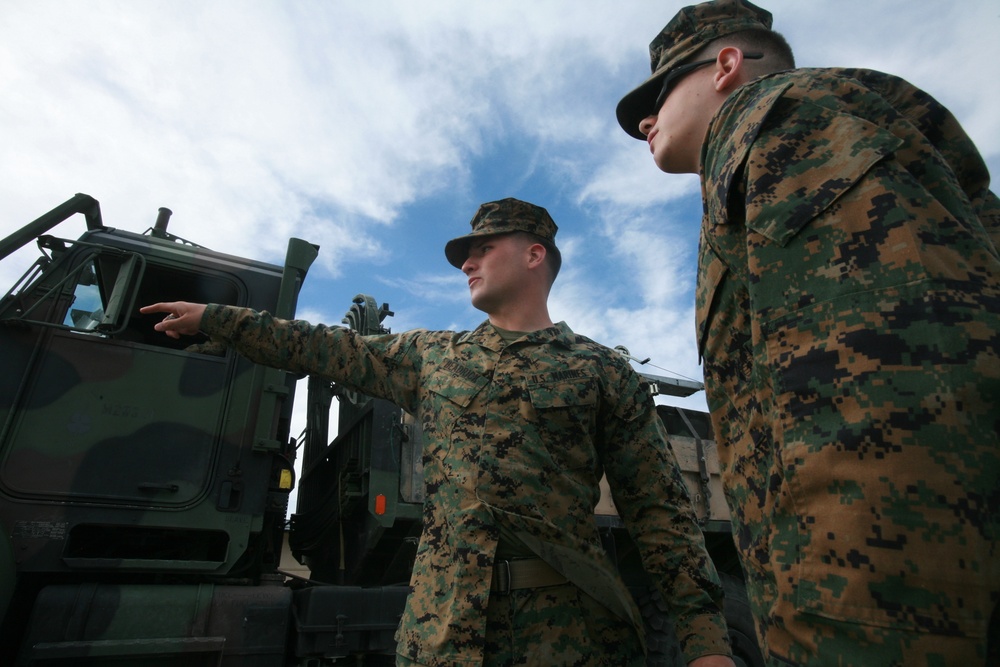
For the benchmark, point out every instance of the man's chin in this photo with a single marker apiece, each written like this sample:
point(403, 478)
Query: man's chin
point(480, 304)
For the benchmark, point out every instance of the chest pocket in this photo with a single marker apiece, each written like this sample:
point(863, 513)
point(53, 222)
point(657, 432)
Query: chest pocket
point(454, 392)
point(565, 414)
point(445, 416)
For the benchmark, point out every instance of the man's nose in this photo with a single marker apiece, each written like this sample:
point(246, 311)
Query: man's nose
point(646, 124)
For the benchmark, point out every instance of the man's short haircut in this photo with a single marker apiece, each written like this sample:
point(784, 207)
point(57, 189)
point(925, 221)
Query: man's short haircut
point(777, 52)
point(552, 259)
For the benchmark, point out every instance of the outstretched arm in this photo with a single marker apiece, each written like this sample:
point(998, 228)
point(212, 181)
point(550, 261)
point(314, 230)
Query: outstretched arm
point(182, 318)
point(712, 661)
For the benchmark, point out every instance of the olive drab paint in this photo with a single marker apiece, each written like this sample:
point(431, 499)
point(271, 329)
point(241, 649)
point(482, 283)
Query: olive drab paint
point(127, 460)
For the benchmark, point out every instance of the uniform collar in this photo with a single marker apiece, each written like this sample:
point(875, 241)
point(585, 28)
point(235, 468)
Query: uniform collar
point(724, 153)
point(485, 335)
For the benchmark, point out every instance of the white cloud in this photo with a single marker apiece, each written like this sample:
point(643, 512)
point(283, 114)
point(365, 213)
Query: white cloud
point(334, 122)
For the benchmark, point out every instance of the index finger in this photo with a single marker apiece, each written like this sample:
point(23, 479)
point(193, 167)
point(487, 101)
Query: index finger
point(156, 308)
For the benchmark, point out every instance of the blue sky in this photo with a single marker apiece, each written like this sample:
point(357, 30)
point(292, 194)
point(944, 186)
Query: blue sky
point(376, 129)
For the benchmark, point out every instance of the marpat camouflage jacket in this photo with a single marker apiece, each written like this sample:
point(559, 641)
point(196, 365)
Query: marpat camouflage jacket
point(848, 313)
point(519, 433)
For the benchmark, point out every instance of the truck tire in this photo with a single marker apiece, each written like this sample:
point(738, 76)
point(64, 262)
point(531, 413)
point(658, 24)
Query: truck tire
point(742, 635)
point(661, 641)
point(662, 649)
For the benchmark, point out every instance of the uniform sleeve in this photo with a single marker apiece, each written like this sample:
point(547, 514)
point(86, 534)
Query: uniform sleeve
point(653, 501)
point(381, 366)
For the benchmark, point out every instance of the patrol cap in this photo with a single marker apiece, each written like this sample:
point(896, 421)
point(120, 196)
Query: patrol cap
point(504, 217)
point(691, 28)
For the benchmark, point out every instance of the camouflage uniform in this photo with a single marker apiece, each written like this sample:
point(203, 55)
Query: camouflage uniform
point(518, 434)
point(848, 312)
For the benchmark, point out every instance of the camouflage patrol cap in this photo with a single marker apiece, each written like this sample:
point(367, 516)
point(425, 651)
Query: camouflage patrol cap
point(691, 28)
point(504, 217)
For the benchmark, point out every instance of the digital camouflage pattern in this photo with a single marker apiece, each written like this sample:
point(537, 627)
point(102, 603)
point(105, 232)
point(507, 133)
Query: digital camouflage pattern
point(687, 32)
point(516, 433)
point(531, 626)
point(848, 311)
point(504, 217)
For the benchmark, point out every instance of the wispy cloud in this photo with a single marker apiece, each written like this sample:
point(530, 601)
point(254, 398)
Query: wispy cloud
point(376, 129)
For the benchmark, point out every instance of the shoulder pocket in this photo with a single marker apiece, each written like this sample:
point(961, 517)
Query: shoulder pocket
point(795, 174)
point(711, 273)
point(564, 412)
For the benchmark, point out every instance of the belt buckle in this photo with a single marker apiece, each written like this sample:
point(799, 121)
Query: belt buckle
point(501, 576)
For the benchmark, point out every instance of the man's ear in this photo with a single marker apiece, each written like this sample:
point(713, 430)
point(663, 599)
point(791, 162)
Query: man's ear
point(730, 72)
point(536, 254)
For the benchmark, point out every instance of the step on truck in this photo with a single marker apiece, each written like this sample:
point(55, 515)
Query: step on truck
point(145, 481)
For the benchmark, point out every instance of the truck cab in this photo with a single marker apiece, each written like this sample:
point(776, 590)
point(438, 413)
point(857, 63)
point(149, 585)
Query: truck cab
point(127, 457)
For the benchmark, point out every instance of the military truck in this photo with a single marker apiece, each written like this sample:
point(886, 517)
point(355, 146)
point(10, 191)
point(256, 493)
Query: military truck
point(145, 481)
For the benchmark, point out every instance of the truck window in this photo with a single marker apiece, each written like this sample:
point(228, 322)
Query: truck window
point(86, 310)
point(162, 283)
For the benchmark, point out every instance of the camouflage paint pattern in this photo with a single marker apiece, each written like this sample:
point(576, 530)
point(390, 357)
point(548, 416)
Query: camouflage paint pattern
point(516, 433)
point(140, 483)
point(848, 312)
point(89, 442)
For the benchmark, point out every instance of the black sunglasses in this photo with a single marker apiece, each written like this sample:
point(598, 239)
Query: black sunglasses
point(678, 72)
